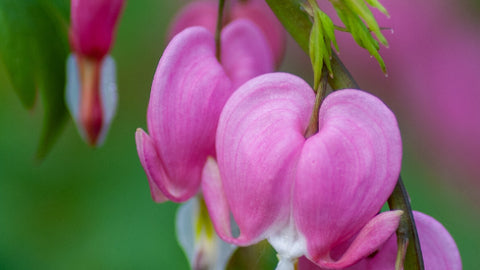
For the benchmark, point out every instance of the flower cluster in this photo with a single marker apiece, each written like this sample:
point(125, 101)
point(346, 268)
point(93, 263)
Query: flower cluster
point(226, 126)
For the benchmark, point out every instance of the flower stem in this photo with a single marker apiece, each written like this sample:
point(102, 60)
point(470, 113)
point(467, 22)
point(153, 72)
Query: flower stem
point(221, 4)
point(321, 91)
point(406, 231)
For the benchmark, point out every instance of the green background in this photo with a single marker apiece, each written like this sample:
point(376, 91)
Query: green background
point(84, 208)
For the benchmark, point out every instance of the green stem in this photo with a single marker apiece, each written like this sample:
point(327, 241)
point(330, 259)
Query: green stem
point(298, 24)
point(406, 231)
point(321, 92)
point(221, 4)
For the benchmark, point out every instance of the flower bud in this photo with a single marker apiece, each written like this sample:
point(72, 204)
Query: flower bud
point(91, 91)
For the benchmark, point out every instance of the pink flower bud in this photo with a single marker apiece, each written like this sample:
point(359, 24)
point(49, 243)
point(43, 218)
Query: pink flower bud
point(92, 26)
point(189, 90)
point(439, 250)
point(305, 195)
point(91, 90)
point(204, 13)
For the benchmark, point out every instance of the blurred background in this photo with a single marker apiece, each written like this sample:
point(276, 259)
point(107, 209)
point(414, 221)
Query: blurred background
point(84, 208)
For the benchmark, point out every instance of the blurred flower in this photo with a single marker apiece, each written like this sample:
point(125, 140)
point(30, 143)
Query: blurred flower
point(91, 91)
point(433, 79)
point(305, 196)
point(189, 90)
point(204, 13)
point(438, 247)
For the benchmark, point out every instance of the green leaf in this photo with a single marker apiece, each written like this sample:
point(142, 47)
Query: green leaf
point(34, 50)
point(321, 38)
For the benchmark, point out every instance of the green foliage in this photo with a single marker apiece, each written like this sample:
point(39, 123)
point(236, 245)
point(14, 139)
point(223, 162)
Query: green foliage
point(352, 12)
point(34, 49)
point(321, 37)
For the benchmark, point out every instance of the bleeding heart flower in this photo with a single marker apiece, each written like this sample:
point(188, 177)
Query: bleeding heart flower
point(306, 196)
point(189, 90)
point(91, 90)
point(204, 13)
point(438, 247)
point(93, 25)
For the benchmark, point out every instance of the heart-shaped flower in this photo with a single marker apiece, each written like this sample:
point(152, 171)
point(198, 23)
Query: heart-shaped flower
point(189, 90)
point(305, 195)
point(438, 247)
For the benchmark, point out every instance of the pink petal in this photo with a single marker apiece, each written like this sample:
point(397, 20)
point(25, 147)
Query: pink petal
point(438, 247)
point(245, 52)
point(92, 25)
point(260, 13)
point(347, 170)
point(188, 92)
point(370, 238)
point(217, 205)
point(151, 164)
point(196, 13)
point(259, 138)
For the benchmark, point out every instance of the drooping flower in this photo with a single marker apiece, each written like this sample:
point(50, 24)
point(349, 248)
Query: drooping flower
point(204, 13)
point(305, 196)
point(189, 90)
point(438, 247)
point(91, 91)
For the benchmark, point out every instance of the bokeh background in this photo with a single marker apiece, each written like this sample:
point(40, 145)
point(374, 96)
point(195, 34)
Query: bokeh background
point(84, 208)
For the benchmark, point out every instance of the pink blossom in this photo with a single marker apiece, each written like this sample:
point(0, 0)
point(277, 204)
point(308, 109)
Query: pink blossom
point(93, 25)
point(305, 195)
point(91, 91)
point(189, 90)
point(439, 250)
point(204, 13)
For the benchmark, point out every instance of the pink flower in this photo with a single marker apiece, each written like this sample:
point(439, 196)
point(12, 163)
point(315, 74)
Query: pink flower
point(439, 250)
point(93, 24)
point(189, 90)
point(305, 196)
point(204, 13)
point(91, 91)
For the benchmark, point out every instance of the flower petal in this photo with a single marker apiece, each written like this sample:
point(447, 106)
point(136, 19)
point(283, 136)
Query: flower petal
point(259, 138)
point(245, 52)
point(92, 25)
point(188, 92)
point(438, 247)
point(370, 238)
point(151, 164)
point(347, 170)
point(259, 13)
point(202, 248)
point(196, 13)
point(109, 95)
